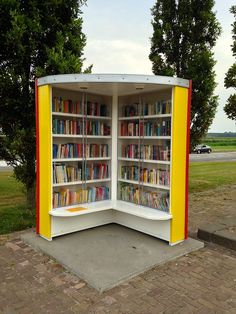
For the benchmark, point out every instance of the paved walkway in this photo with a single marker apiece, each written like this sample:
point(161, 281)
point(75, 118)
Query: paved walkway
point(201, 282)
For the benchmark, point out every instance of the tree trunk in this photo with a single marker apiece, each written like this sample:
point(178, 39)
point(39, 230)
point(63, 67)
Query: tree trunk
point(31, 196)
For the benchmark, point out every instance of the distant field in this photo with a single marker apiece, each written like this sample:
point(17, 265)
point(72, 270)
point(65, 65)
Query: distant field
point(221, 143)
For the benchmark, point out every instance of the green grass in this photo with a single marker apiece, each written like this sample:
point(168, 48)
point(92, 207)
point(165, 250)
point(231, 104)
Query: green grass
point(221, 144)
point(14, 214)
point(209, 175)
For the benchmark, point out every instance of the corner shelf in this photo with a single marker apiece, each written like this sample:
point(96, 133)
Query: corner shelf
point(81, 136)
point(151, 161)
point(75, 115)
point(89, 208)
point(141, 211)
point(144, 137)
point(156, 186)
point(121, 206)
point(81, 159)
point(81, 182)
point(154, 116)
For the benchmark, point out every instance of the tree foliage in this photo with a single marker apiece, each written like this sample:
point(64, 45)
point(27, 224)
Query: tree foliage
point(230, 78)
point(184, 33)
point(37, 38)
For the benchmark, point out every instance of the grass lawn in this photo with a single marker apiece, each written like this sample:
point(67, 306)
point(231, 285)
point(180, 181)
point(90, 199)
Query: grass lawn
point(13, 211)
point(15, 216)
point(209, 175)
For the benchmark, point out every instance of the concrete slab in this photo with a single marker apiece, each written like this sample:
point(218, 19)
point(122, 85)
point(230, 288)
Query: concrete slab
point(108, 255)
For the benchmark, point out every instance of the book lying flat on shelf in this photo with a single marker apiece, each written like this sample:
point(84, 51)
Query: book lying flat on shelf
point(76, 209)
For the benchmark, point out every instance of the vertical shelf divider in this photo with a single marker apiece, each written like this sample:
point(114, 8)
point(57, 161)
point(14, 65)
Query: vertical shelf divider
point(114, 155)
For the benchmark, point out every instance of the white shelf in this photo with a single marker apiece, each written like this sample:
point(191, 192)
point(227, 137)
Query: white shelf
point(67, 114)
point(81, 182)
point(74, 115)
point(68, 135)
point(81, 136)
point(141, 211)
point(81, 159)
point(145, 137)
point(163, 187)
point(154, 116)
point(125, 207)
point(89, 208)
point(97, 136)
point(161, 162)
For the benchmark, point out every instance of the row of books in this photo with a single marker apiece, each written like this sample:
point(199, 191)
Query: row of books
point(96, 171)
point(156, 200)
point(96, 109)
point(150, 152)
point(146, 129)
point(75, 127)
point(72, 127)
point(77, 107)
point(67, 197)
point(159, 107)
point(145, 175)
point(63, 173)
point(80, 150)
point(97, 128)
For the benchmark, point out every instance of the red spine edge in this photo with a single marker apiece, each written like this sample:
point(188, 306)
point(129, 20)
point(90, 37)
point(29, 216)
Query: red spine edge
point(37, 154)
point(187, 156)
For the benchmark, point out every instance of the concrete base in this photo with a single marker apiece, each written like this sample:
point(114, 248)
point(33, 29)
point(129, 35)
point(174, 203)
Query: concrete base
point(108, 255)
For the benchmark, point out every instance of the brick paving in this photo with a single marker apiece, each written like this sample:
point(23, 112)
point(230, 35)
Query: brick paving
point(201, 282)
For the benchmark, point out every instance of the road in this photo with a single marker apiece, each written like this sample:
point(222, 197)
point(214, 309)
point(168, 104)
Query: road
point(227, 156)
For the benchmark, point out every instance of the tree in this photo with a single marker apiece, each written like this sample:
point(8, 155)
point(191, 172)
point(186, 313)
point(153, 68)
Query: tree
point(230, 78)
point(184, 33)
point(37, 38)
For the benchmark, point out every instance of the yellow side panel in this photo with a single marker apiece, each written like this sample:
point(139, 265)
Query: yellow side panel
point(45, 158)
point(178, 170)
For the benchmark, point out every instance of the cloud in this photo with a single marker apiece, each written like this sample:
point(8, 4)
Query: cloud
point(118, 56)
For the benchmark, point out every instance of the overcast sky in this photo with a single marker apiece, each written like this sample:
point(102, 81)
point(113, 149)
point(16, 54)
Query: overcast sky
point(118, 41)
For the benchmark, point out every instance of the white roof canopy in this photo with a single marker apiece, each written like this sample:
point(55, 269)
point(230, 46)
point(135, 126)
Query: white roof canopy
point(110, 84)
